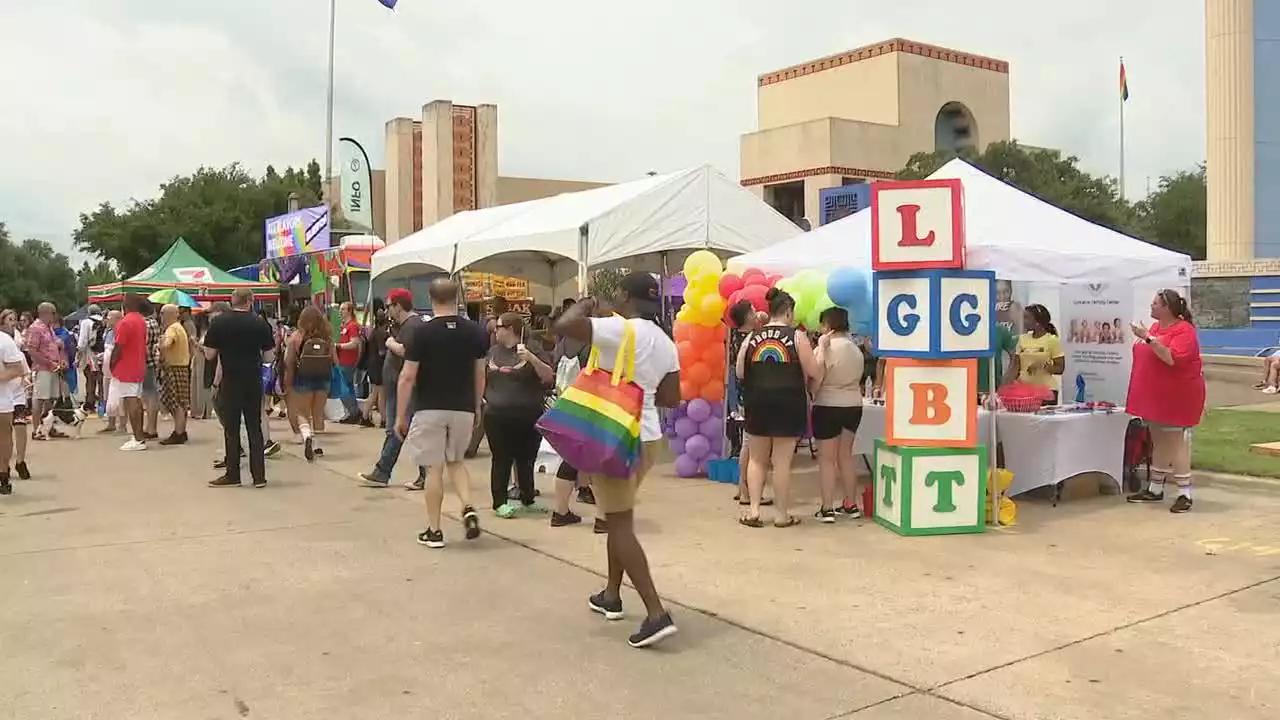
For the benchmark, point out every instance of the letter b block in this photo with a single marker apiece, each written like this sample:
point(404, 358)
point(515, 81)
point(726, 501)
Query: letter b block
point(930, 491)
point(931, 403)
point(935, 314)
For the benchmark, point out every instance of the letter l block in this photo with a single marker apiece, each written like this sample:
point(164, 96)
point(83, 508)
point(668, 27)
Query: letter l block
point(930, 491)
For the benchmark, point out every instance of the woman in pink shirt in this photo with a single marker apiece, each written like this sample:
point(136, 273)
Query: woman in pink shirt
point(1166, 389)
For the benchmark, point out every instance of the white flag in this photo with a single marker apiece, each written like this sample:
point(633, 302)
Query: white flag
point(357, 184)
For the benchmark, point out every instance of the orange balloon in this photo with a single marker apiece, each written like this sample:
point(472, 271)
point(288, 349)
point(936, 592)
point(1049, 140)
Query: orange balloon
point(681, 331)
point(702, 335)
point(688, 390)
point(686, 349)
point(697, 373)
point(713, 355)
point(720, 332)
point(713, 391)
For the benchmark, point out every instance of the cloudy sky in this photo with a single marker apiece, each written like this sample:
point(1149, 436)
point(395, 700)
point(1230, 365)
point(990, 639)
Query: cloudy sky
point(105, 99)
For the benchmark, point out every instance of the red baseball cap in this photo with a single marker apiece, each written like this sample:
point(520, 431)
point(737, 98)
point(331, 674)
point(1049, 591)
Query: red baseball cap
point(396, 295)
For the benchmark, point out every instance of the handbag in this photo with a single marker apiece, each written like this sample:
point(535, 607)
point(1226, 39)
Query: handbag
point(595, 424)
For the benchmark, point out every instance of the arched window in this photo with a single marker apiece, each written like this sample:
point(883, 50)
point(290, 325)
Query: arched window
point(954, 129)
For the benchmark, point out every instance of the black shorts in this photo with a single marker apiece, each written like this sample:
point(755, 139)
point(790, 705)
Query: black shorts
point(829, 422)
point(777, 414)
point(567, 472)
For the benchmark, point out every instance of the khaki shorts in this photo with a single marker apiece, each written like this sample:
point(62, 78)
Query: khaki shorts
point(617, 495)
point(437, 437)
point(47, 386)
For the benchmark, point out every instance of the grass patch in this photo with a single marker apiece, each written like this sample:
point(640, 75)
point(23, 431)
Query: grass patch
point(1221, 442)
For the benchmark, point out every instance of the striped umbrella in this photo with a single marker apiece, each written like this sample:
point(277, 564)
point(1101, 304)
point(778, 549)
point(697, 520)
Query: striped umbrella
point(173, 296)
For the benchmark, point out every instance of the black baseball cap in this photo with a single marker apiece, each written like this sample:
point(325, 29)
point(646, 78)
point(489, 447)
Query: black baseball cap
point(643, 290)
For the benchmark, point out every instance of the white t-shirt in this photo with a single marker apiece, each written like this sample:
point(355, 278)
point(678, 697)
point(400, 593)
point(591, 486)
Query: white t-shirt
point(11, 392)
point(655, 359)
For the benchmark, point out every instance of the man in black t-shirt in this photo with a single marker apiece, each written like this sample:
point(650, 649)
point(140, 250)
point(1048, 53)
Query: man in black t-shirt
point(444, 375)
point(240, 341)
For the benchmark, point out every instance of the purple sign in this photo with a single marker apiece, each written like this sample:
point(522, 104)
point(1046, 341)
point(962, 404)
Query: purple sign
point(298, 232)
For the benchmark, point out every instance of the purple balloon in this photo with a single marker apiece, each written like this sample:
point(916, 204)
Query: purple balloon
point(686, 427)
point(698, 410)
point(677, 446)
point(711, 427)
point(717, 409)
point(702, 466)
point(686, 466)
point(717, 444)
point(697, 447)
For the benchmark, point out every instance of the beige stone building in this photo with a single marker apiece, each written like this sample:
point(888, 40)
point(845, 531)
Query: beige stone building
point(859, 115)
point(447, 162)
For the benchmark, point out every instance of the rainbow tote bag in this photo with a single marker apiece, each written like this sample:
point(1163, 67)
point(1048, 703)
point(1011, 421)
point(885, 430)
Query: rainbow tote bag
point(595, 424)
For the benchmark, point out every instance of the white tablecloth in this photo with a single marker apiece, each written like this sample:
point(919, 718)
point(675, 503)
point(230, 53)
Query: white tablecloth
point(1038, 449)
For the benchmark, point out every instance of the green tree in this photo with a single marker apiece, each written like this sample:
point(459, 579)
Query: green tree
point(1047, 174)
point(604, 283)
point(32, 272)
point(220, 212)
point(100, 273)
point(1175, 214)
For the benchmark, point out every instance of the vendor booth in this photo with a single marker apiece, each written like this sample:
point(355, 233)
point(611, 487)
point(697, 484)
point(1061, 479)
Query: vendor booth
point(1094, 281)
point(650, 224)
point(182, 268)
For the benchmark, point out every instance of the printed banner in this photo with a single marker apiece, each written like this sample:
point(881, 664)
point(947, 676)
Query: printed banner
point(1096, 338)
point(295, 233)
point(357, 184)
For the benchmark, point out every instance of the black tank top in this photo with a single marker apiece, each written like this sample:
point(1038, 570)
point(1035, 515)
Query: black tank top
point(772, 363)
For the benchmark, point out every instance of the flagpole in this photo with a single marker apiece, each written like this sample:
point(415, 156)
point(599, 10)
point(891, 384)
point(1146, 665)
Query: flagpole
point(1122, 89)
point(328, 116)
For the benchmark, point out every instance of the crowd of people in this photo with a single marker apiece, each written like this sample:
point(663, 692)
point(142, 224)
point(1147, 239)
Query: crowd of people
point(439, 382)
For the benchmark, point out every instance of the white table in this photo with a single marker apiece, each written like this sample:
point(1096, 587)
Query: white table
point(1039, 450)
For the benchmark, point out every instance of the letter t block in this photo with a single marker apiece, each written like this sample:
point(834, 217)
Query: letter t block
point(930, 491)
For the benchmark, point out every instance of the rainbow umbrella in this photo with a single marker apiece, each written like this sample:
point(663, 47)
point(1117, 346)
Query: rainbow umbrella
point(173, 296)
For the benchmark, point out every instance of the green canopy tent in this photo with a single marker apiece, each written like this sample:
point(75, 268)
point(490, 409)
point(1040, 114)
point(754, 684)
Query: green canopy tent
point(185, 269)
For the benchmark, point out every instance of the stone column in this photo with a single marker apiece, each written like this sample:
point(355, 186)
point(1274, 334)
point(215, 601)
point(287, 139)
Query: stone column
point(1229, 130)
point(437, 161)
point(398, 190)
point(486, 156)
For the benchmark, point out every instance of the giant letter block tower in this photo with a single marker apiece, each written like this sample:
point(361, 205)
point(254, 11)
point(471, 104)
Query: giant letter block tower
point(934, 319)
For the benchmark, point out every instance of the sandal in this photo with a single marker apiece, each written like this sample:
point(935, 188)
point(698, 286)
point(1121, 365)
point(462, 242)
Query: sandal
point(763, 503)
point(791, 521)
point(751, 522)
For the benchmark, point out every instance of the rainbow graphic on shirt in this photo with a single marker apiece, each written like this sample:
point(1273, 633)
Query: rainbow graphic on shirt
point(770, 350)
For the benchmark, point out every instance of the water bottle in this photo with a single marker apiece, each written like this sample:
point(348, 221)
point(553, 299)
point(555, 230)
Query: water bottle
point(1079, 387)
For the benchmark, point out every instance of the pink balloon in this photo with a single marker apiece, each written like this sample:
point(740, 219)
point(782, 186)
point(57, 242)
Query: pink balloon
point(729, 284)
point(760, 280)
point(773, 279)
point(749, 272)
point(755, 295)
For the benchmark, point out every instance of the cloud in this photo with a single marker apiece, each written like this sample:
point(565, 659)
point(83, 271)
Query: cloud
point(105, 99)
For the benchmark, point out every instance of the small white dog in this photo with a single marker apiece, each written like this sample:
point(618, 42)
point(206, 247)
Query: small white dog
point(70, 418)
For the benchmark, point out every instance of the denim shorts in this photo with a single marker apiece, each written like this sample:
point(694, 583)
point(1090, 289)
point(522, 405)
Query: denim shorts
point(311, 385)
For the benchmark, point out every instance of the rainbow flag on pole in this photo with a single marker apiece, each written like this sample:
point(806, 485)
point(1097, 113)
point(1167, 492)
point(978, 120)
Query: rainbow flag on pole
point(1124, 83)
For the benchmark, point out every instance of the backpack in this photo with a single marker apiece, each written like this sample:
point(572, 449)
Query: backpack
point(1137, 452)
point(97, 337)
point(315, 358)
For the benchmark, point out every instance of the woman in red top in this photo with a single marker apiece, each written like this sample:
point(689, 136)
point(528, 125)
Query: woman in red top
point(1166, 388)
point(348, 353)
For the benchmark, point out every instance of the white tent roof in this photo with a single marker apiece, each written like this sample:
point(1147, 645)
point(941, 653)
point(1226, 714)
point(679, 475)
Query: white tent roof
point(1014, 233)
point(683, 211)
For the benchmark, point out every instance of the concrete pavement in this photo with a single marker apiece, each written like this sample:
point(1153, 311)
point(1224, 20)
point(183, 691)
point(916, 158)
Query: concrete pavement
point(133, 591)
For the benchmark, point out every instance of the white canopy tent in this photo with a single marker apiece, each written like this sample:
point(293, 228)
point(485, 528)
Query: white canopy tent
point(651, 224)
point(1014, 233)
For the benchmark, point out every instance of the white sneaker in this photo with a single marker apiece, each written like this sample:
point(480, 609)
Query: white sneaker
point(133, 446)
point(1270, 390)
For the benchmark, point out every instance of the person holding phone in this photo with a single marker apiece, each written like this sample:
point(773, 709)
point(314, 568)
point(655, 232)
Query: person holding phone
point(517, 380)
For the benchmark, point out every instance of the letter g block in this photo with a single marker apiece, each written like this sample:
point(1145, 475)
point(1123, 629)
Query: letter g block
point(934, 314)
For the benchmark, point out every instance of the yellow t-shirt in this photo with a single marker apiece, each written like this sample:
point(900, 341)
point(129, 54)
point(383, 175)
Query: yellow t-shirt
point(175, 351)
point(1034, 350)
